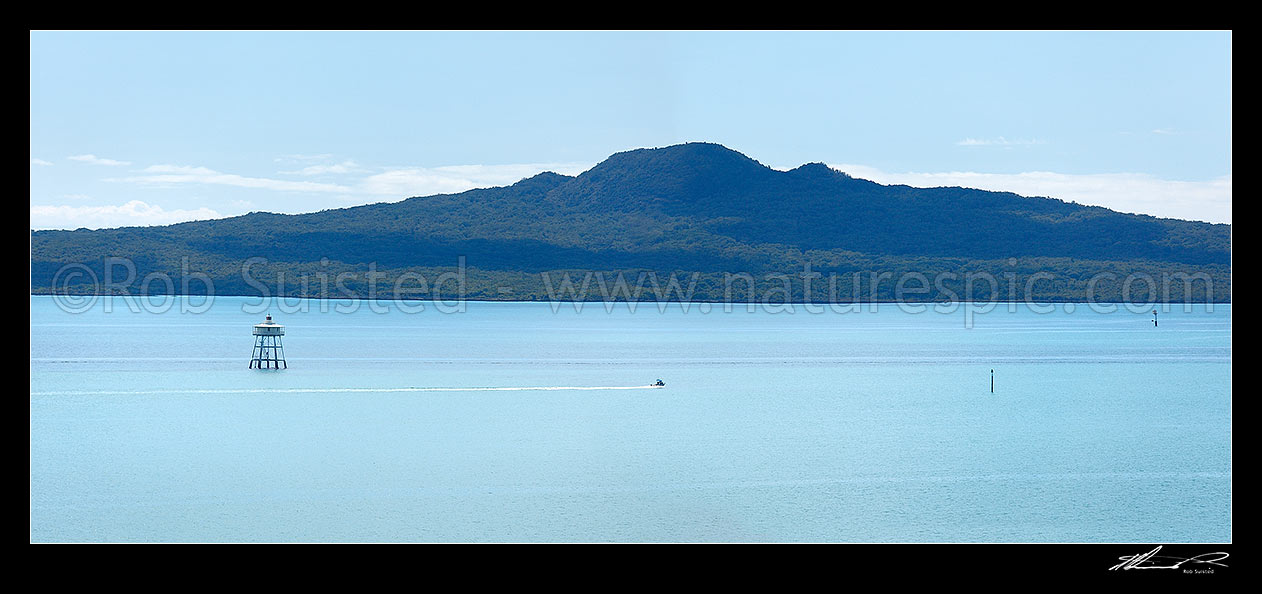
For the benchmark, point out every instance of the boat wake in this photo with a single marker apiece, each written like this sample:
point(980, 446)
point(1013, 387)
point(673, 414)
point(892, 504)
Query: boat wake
point(343, 390)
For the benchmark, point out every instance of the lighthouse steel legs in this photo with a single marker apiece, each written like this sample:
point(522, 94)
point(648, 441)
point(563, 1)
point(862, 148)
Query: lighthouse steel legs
point(268, 353)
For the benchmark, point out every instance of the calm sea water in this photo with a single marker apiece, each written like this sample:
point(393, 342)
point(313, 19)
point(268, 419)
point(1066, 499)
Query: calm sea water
point(871, 426)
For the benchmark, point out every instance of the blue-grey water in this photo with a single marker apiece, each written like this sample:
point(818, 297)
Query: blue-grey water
point(869, 426)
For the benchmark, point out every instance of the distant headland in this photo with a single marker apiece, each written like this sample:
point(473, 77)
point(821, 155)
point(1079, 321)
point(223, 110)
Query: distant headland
point(694, 221)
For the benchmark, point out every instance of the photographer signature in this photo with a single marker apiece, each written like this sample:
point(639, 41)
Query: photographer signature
point(1150, 559)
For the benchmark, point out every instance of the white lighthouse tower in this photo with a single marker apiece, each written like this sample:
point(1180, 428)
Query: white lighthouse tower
point(269, 353)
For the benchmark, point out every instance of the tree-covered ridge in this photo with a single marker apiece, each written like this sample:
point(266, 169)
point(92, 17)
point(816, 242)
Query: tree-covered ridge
point(688, 208)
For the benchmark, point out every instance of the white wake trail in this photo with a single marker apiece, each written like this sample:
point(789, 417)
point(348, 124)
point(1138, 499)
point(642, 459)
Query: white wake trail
point(340, 390)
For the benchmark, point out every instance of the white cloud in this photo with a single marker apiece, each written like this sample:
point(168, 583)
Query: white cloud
point(342, 168)
point(179, 174)
point(391, 183)
point(424, 181)
point(1125, 192)
point(414, 182)
point(133, 213)
point(42, 162)
point(1000, 141)
point(95, 160)
point(400, 182)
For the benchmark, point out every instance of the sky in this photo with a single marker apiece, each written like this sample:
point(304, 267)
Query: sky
point(156, 127)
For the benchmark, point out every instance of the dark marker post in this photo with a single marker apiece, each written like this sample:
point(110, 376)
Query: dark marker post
point(992, 381)
point(1154, 318)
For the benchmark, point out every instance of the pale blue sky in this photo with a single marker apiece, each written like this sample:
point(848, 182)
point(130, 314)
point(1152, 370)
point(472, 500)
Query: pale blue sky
point(153, 127)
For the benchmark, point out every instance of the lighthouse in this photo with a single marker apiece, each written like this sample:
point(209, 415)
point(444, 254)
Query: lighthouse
point(269, 353)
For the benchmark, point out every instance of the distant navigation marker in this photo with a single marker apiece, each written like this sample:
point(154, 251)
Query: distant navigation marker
point(1154, 318)
point(268, 353)
point(992, 381)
